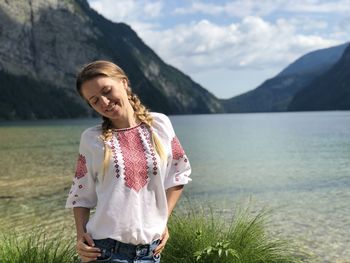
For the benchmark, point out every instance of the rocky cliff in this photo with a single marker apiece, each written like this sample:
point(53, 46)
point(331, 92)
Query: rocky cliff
point(45, 42)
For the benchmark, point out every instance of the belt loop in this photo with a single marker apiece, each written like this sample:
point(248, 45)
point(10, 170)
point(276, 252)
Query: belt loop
point(142, 250)
point(116, 247)
point(148, 249)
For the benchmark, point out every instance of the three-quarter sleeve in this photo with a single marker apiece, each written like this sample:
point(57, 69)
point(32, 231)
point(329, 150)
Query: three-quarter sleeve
point(83, 192)
point(179, 168)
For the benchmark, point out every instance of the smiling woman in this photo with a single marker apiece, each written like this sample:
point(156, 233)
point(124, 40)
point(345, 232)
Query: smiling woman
point(132, 169)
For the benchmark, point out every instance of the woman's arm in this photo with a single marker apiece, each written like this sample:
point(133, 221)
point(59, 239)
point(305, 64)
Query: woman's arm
point(85, 244)
point(173, 195)
point(81, 217)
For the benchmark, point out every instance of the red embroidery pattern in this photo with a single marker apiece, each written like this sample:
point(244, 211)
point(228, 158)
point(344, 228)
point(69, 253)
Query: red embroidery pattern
point(177, 150)
point(134, 157)
point(81, 169)
point(147, 135)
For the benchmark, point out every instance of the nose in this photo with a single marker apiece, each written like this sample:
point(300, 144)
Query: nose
point(104, 101)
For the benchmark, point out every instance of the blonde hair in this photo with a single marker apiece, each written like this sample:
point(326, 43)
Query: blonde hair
point(111, 70)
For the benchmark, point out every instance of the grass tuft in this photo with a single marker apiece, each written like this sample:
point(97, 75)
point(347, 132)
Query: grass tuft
point(36, 247)
point(199, 236)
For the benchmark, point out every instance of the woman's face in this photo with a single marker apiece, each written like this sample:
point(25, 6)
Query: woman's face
point(107, 96)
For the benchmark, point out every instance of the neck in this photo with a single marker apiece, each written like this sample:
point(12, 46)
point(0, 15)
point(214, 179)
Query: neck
point(127, 121)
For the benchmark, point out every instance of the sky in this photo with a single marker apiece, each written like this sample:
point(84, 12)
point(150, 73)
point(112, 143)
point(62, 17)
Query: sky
point(231, 47)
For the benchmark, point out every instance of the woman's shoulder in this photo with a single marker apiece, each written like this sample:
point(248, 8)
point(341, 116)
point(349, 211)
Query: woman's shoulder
point(162, 123)
point(91, 133)
point(160, 118)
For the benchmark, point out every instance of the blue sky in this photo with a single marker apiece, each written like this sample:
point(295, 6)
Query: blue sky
point(230, 47)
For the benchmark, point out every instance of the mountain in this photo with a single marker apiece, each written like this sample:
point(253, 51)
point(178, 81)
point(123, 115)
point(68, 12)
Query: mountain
point(43, 43)
point(276, 93)
point(330, 91)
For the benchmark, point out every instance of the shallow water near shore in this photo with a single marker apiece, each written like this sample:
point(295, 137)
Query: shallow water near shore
point(297, 164)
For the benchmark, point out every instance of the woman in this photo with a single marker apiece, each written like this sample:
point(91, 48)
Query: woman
point(131, 169)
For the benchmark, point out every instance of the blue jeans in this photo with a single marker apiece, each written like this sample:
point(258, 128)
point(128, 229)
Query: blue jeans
point(115, 251)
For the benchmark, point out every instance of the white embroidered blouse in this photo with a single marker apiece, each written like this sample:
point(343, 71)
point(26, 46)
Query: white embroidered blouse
point(130, 199)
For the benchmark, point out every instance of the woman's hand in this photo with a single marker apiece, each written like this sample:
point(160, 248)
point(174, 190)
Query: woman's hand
point(163, 239)
point(86, 248)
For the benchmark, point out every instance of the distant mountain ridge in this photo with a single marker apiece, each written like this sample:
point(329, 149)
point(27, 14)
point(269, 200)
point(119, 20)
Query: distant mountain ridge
point(45, 42)
point(276, 94)
point(329, 91)
point(316, 61)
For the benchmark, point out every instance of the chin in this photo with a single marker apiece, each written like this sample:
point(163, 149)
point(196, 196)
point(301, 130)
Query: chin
point(111, 114)
point(114, 115)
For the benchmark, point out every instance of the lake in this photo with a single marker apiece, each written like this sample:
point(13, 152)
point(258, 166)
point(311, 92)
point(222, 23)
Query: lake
point(296, 164)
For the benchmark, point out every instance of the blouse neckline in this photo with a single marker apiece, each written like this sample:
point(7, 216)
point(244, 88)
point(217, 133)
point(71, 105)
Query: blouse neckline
point(127, 129)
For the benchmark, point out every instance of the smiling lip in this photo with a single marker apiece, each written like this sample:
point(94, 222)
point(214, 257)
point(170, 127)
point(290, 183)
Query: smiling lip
point(111, 107)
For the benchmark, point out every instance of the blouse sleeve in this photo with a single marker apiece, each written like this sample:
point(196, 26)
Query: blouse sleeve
point(82, 192)
point(180, 168)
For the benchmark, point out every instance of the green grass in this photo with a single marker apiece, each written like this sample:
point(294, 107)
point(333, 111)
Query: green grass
point(35, 247)
point(195, 236)
point(199, 236)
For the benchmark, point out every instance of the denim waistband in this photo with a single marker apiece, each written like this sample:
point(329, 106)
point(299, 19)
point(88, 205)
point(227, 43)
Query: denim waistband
point(109, 246)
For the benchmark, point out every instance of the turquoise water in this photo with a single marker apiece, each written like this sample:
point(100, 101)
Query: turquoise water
point(297, 164)
point(265, 153)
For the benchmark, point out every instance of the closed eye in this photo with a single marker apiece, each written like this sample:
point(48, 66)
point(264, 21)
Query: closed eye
point(106, 90)
point(94, 101)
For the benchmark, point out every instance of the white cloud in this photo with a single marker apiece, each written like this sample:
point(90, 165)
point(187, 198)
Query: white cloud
point(117, 11)
point(239, 8)
point(242, 8)
point(251, 43)
point(199, 7)
point(153, 9)
point(318, 6)
point(128, 11)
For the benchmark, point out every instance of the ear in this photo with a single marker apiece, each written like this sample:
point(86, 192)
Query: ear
point(125, 83)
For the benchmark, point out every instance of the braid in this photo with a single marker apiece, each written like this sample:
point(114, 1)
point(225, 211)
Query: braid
point(105, 136)
point(106, 129)
point(142, 113)
point(140, 110)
